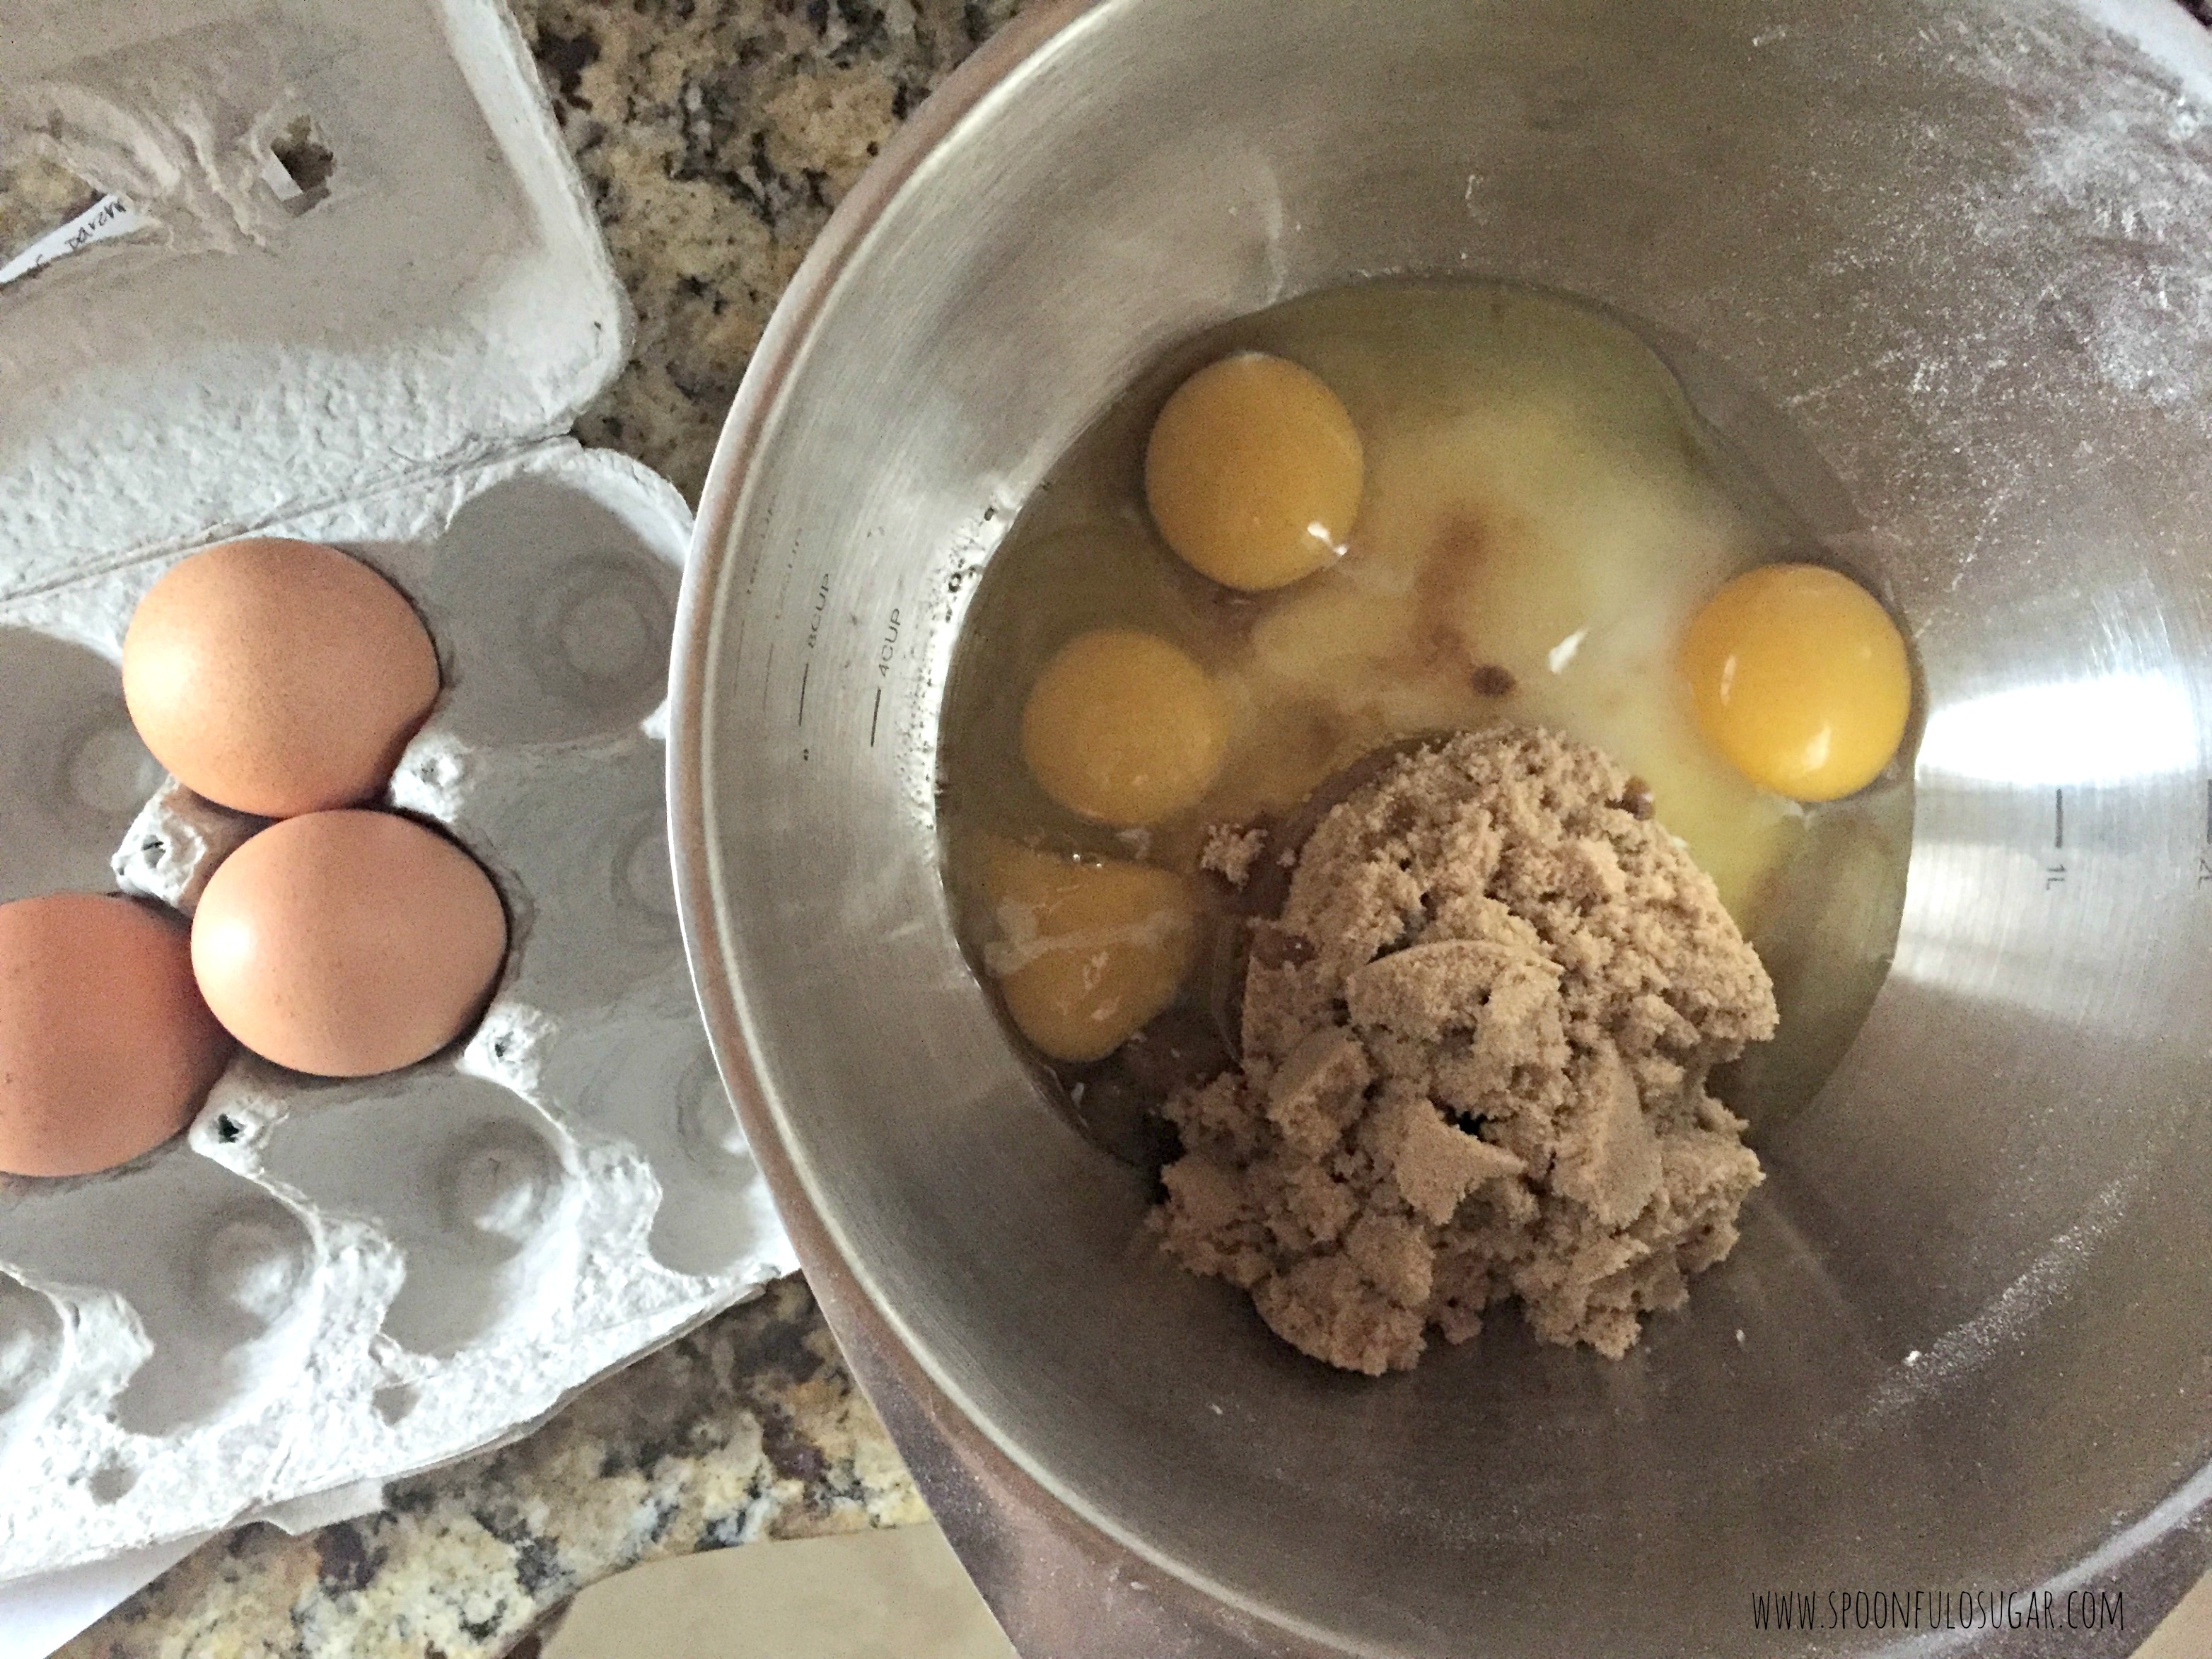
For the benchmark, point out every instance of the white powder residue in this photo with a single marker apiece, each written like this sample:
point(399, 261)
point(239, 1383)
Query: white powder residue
point(2002, 1319)
point(2120, 169)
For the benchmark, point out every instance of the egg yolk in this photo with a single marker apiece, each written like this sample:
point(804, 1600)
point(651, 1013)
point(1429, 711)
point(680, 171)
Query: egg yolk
point(1085, 953)
point(1123, 728)
point(1253, 472)
point(1799, 678)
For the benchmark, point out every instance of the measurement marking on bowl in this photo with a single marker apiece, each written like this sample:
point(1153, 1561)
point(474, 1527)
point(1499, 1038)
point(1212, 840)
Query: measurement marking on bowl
point(886, 654)
point(813, 638)
point(2205, 864)
point(768, 667)
point(2055, 871)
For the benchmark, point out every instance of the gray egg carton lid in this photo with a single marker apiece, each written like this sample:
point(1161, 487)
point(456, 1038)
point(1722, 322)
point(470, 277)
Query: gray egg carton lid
point(367, 256)
point(358, 293)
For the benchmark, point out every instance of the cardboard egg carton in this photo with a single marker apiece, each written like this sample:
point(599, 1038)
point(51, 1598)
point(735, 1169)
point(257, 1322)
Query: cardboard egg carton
point(326, 1284)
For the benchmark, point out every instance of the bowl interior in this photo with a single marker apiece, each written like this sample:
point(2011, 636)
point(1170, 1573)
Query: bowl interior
point(1944, 270)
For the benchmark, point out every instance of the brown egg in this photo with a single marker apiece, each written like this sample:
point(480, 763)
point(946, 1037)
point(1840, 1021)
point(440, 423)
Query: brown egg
point(105, 1048)
point(348, 943)
point(277, 676)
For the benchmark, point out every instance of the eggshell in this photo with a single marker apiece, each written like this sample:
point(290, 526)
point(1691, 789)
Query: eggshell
point(344, 944)
point(277, 676)
point(106, 1048)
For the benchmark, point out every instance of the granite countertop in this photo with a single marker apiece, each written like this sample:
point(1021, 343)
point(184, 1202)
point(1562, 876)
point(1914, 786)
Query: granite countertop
point(715, 135)
point(749, 1428)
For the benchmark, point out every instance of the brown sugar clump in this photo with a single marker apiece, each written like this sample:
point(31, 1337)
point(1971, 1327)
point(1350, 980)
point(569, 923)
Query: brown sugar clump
point(1229, 851)
point(1475, 1046)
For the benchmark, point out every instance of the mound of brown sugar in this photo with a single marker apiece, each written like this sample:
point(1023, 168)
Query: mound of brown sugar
point(1475, 1046)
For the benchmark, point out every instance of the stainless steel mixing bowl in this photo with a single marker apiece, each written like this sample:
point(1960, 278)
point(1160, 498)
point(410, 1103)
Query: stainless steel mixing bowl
point(1959, 252)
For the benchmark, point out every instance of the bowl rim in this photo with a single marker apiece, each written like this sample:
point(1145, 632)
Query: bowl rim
point(770, 373)
point(979, 1488)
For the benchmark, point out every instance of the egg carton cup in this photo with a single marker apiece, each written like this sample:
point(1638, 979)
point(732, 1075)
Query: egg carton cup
point(326, 1284)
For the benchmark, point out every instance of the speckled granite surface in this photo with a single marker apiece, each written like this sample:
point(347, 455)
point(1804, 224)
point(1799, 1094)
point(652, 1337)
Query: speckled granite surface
point(716, 136)
point(749, 1428)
